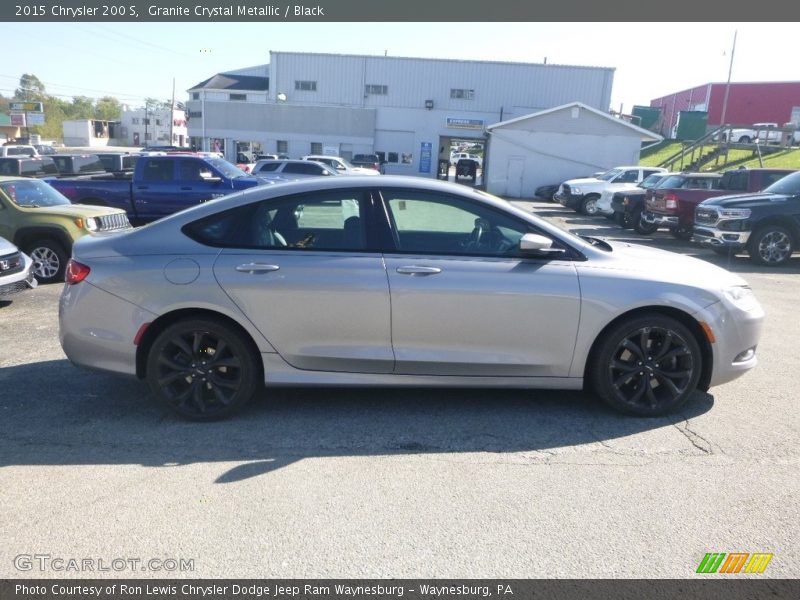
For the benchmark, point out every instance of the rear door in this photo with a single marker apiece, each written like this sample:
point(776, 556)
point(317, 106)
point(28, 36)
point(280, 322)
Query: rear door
point(305, 272)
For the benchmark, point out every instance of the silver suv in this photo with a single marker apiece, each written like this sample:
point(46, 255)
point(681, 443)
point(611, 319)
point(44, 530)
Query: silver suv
point(276, 171)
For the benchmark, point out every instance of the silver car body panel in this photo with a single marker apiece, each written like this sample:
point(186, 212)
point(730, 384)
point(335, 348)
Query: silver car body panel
point(350, 318)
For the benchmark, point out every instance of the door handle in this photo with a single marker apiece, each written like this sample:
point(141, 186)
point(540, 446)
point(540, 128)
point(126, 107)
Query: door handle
point(256, 268)
point(416, 270)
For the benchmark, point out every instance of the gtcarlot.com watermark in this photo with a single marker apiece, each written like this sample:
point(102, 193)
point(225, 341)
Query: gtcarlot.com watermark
point(48, 562)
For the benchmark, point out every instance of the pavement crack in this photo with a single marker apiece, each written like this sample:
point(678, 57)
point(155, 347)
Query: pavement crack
point(697, 440)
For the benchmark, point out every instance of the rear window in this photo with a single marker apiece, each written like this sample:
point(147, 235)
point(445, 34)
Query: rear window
point(34, 168)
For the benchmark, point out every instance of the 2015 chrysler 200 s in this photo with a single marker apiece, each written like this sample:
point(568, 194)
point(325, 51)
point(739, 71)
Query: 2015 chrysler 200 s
point(398, 281)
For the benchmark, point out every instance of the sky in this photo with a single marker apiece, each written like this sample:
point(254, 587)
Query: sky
point(133, 61)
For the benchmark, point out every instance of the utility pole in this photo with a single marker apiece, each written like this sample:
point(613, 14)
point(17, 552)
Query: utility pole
point(146, 106)
point(728, 85)
point(172, 116)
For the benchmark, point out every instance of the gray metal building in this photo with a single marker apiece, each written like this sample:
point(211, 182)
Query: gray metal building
point(408, 109)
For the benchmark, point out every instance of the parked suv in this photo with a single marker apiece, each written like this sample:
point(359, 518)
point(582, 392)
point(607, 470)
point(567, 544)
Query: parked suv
point(45, 224)
point(582, 195)
point(368, 161)
point(276, 171)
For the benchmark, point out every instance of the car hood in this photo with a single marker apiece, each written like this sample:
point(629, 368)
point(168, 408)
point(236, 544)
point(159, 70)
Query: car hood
point(583, 181)
point(743, 200)
point(77, 210)
point(6, 247)
point(654, 264)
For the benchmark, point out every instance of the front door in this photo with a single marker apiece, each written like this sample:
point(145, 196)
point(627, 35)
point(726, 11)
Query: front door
point(464, 302)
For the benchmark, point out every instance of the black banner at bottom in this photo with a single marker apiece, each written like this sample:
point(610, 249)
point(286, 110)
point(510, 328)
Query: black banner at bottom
point(748, 588)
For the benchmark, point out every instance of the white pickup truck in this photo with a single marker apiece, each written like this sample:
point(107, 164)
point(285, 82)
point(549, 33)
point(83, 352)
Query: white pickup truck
point(582, 195)
point(763, 132)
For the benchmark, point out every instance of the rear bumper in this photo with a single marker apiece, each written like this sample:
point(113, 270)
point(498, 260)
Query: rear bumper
point(661, 220)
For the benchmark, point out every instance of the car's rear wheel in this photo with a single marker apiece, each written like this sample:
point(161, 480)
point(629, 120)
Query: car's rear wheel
point(49, 260)
point(203, 369)
point(772, 245)
point(647, 365)
point(589, 205)
point(745, 139)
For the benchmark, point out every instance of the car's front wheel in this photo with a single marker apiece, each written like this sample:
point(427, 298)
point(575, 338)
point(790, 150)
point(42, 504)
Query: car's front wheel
point(203, 369)
point(647, 365)
point(49, 260)
point(772, 246)
point(589, 205)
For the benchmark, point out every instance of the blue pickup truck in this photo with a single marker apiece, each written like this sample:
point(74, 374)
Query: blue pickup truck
point(158, 185)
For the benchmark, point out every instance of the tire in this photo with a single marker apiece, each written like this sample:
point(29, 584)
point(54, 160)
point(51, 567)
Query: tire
point(745, 139)
point(184, 373)
point(725, 251)
point(648, 365)
point(50, 260)
point(642, 227)
point(681, 233)
point(589, 205)
point(771, 246)
point(623, 219)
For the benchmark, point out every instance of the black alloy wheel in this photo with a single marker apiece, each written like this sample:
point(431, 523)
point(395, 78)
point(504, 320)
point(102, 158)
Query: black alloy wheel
point(648, 365)
point(202, 368)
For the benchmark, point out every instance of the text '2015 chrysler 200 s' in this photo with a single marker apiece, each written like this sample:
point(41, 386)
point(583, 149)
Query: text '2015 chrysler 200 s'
point(397, 281)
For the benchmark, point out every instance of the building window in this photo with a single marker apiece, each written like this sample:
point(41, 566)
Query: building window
point(195, 95)
point(238, 97)
point(134, 120)
point(316, 148)
point(283, 147)
point(376, 90)
point(305, 86)
point(459, 94)
point(146, 121)
point(158, 121)
point(393, 157)
point(148, 136)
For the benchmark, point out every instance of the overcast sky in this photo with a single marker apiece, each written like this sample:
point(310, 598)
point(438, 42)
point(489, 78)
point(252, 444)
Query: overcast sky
point(133, 61)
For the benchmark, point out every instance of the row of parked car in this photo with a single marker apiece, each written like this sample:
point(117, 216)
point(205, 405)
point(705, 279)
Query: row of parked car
point(742, 210)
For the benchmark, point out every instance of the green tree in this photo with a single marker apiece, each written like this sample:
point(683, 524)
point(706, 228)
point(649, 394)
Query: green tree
point(30, 88)
point(82, 107)
point(108, 108)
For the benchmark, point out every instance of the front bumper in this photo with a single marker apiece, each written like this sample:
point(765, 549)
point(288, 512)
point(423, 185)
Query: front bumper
point(711, 236)
point(20, 282)
point(570, 200)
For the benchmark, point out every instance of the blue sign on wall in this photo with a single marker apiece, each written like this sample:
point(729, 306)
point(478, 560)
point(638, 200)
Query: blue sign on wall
point(464, 123)
point(425, 157)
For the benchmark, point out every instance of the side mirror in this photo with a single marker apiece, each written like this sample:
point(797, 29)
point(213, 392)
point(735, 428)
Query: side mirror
point(537, 244)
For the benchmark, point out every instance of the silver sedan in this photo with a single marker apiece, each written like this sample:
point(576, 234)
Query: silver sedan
point(397, 281)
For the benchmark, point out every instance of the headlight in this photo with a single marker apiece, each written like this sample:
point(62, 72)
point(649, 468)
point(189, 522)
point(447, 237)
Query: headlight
point(576, 190)
point(742, 297)
point(92, 224)
point(734, 213)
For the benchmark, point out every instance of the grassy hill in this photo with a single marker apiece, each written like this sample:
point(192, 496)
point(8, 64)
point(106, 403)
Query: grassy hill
point(783, 159)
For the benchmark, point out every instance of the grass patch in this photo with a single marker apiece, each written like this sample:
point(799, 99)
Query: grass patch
point(784, 159)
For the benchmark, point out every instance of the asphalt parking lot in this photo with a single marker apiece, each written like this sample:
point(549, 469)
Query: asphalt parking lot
point(400, 483)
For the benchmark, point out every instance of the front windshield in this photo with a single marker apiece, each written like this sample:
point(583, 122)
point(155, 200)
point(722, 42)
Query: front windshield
point(227, 169)
point(32, 194)
point(789, 185)
point(609, 175)
point(346, 163)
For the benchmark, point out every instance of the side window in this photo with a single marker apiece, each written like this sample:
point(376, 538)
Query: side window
point(308, 168)
point(194, 170)
point(631, 176)
point(158, 170)
point(439, 224)
point(320, 221)
point(268, 167)
point(771, 178)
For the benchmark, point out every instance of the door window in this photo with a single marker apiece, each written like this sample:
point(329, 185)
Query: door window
point(437, 224)
point(158, 170)
point(319, 221)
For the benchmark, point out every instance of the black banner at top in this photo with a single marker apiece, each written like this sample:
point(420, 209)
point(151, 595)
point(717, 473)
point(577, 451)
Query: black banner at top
point(403, 10)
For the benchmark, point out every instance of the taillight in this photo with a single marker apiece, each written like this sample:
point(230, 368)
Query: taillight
point(76, 272)
point(670, 201)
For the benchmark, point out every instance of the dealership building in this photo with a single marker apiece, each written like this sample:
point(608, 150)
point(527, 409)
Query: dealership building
point(408, 110)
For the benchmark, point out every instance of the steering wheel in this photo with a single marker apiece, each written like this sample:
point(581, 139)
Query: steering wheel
point(475, 238)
